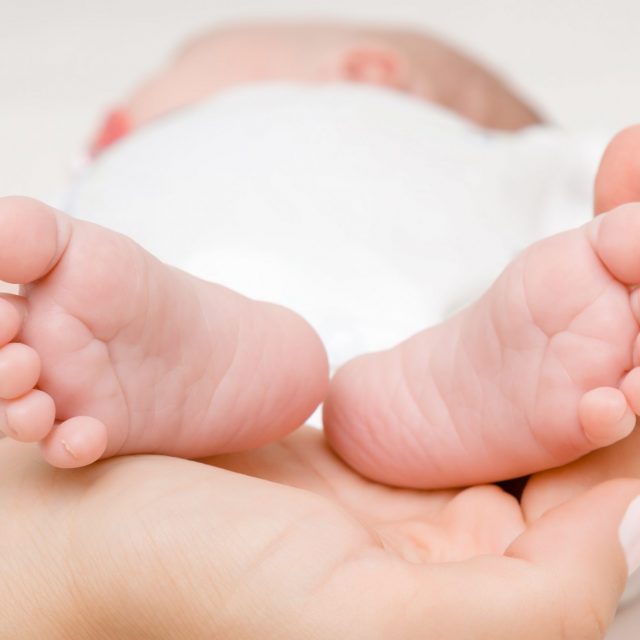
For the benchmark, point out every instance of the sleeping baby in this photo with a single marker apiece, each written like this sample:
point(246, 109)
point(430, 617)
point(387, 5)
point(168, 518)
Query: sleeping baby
point(372, 182)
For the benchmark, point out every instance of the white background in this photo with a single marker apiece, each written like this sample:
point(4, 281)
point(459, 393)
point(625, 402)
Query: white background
point(64, 62)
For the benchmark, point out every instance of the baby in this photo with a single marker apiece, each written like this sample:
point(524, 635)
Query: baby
point(106, 340)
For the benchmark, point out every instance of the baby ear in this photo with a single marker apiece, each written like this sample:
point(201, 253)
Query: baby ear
point(373, 64)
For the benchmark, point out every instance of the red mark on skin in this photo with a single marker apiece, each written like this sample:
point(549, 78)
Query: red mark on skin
point(116, 126)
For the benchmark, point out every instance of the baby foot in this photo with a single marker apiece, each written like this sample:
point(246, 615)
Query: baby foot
point(131, 355)
point(539, 371)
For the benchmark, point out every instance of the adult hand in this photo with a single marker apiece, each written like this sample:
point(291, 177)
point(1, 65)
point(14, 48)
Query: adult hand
point(287, 542)
point(549, 489)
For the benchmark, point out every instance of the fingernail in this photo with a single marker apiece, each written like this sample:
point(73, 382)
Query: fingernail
point(629, 534)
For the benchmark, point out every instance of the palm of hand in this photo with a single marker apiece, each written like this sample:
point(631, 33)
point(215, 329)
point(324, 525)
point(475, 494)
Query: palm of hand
point(419, 526)
point(292, 527)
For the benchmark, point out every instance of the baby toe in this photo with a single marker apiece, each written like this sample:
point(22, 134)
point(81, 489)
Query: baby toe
point(605, 416)
point(631, 388)
point(635, 354)
point(634, 300)
point(19, 370)
point(29, 418)
point(10, 317)
point(77, 442)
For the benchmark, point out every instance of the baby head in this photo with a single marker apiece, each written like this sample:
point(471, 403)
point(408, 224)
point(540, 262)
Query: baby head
point(322, 53)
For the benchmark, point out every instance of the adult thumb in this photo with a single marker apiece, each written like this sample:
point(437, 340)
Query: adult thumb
point(561, 578)
point(586, 549)
point(617, 181)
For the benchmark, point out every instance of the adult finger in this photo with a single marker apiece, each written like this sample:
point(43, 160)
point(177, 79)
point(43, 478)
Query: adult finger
point(562, 578)
point(617, 180)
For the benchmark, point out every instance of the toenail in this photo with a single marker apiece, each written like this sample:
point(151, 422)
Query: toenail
point(68, 449)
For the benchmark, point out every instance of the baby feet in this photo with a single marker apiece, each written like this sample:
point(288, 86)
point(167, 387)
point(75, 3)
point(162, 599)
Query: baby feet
point(130, 355)
point(109, 351)
point(539, 371)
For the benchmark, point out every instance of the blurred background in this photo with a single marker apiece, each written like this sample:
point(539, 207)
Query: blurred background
point(63, 63)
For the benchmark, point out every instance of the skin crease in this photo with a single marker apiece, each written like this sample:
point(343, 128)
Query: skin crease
point(288, 533)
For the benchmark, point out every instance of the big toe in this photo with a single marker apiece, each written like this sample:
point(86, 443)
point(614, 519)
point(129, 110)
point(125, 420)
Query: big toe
point(33, 236)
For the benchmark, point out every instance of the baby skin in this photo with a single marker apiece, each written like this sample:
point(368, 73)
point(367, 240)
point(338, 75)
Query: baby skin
point(539, 371)
point(115, 340)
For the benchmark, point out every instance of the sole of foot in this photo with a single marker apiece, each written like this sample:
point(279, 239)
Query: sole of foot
point(539, 371)
point(108, 351)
